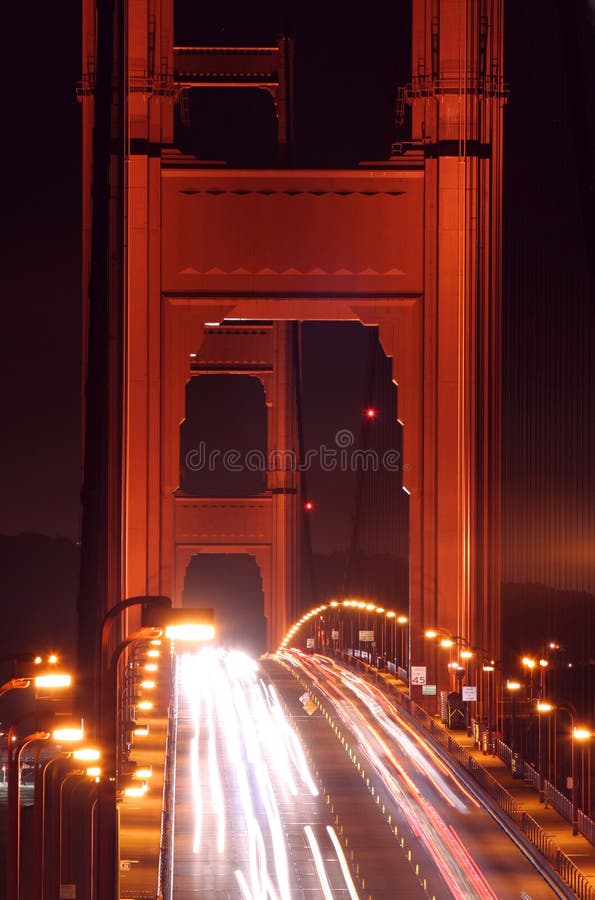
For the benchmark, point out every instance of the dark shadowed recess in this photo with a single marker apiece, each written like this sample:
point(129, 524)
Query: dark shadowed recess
point(229, 583)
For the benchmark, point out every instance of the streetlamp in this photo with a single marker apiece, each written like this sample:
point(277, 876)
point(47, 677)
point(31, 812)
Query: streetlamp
point(403, 621)
point(529, 664)
point(582, 735)
point(542, 707)
point(512, 687)
point(488, 668)
point(543, 664)
point(193, 625)
point(577, 733)
point(13, 837)
point(380, 610)
point(392, 616)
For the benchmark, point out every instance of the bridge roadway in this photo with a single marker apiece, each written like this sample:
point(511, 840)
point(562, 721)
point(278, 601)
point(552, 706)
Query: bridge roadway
point(250, 819)
point(435, 807)
point(370, 811)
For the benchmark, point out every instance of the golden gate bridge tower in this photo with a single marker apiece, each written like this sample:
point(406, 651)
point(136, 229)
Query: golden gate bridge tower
point(184, 260)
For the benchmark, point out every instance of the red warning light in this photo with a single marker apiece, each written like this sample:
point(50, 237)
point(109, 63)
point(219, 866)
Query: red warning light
point(308, 506)
point(371, 413)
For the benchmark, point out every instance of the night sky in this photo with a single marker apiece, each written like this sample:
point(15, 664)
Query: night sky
point(347, 70)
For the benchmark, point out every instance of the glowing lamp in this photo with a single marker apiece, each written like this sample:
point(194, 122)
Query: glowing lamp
point(308, 506)
point(190, 632)
point(87, 754)
point(68, 735)
point(53, 681)
point(136, 790)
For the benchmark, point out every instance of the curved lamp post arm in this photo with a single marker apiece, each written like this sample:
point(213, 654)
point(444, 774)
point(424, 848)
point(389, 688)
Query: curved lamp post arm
point(14, 684)
point(106, 873)
point(13, 837)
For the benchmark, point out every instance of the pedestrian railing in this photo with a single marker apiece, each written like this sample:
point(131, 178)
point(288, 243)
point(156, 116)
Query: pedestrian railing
point(586, 826)
point(562, 864)
point(165, 874)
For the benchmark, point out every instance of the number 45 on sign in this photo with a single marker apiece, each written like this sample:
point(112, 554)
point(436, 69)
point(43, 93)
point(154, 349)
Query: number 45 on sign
point(418, 674)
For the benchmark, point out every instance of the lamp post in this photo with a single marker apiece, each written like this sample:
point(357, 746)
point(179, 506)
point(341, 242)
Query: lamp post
point(39, 823)
point(581, 734)
point(380, 611)
point(106, 868)
point(578, 734)
point(529, 665)
point(488, 668)
point(157, 616)
point(542, 707)
point(13, 836)
point(512, 687)
point(403, 621)
point(393, 652)
point(543, 664)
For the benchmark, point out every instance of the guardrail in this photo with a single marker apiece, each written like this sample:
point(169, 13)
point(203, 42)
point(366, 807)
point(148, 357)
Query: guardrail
point(562, 864)
point(165, 874)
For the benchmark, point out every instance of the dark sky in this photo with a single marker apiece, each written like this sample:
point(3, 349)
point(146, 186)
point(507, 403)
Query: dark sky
point(347, 69)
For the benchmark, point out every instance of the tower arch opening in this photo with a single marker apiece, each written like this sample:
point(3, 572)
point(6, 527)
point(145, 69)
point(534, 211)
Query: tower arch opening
point(223, 439)
point(230, 583)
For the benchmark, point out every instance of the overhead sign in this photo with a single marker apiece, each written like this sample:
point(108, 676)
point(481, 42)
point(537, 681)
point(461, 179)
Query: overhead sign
point(418, 674)
point(469, 692)
point(366, 635)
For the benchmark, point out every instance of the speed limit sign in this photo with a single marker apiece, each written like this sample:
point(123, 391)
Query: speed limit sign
point(418, 674)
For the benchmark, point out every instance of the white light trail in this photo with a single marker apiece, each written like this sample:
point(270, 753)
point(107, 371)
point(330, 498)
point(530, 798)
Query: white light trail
point(452, 859)
point(246, 760)
point(343, 863)
point(320, 870)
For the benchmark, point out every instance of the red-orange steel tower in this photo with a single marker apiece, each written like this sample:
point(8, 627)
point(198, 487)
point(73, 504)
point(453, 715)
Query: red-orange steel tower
point(172, 244)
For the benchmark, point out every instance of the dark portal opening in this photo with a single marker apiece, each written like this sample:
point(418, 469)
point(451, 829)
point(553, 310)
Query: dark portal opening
point(234, 125)
point(223, 439)
point(230, 583)
point(359, 524)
